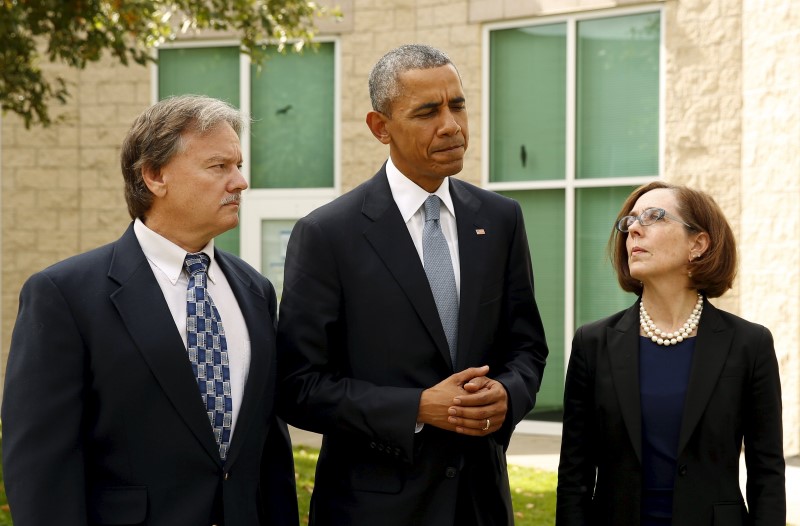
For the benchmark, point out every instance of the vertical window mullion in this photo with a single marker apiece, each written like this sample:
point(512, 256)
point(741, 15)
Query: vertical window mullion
point(569, 191)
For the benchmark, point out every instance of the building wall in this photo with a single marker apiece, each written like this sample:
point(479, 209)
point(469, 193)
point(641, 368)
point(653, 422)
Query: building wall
point(770, 188)
point(61, 186)
point(731, 127)
point(703, 105)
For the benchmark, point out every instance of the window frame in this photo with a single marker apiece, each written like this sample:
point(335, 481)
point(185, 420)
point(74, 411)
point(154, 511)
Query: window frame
point(260, 204)
point(569, 184)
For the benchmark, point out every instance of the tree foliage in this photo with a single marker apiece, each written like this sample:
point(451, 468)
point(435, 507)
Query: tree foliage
point(78, 32)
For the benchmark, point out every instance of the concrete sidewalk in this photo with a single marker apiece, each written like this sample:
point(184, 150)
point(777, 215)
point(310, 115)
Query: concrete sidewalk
point(541, 452)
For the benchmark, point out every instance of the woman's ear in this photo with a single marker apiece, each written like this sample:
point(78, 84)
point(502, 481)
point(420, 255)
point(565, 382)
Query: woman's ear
point(699, 246)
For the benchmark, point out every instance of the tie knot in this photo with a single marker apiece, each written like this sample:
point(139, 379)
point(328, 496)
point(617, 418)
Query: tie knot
point(196, 262)
point(432, 205)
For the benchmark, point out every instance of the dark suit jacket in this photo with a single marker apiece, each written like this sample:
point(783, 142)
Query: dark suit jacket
point(734, 394)
point(102, 419)
point(359, 339)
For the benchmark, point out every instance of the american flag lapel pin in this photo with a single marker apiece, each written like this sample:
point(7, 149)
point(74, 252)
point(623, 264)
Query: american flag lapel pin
point(480, 231)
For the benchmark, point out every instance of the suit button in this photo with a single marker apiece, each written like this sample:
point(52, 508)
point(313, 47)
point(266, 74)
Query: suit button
point(682, 470)
point(373, 445)
point(450, 472)
point(226, 476)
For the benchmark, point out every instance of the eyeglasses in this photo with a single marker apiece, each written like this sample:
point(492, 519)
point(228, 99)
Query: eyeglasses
point(647, 218)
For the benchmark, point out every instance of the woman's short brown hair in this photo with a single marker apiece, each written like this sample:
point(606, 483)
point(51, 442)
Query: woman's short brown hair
point(713, 272)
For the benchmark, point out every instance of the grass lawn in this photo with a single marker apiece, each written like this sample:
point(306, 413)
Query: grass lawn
point(533, 491)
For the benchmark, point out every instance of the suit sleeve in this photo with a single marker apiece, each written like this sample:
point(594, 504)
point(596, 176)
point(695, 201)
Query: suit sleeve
point(43, 409)
point(278, 487)
point(763, 439)
point(522, 336)
point(278, 490)
point(576, 467)
point(315, 391)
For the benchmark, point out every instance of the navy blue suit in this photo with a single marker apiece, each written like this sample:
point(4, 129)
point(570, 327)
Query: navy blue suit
point(102, 419)
point(360, 338)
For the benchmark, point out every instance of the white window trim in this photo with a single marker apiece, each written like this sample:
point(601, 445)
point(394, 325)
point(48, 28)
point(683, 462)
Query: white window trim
point(569, 184)
point(261, 204)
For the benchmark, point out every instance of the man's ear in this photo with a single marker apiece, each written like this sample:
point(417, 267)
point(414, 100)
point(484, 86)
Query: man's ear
point(376, 122)
point(154, 179)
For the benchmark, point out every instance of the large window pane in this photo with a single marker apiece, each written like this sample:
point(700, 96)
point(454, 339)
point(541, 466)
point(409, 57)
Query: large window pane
point(292, 136)
point(617, 96)
point(527, 103)
point(597, 293)
point(544, 223)
point(203, 71)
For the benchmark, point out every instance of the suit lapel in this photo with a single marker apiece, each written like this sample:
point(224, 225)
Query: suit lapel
point(622, 343)
point(257, 318)
point(711, 349)
point(141, 305)
point(472, 259)
point(389, 237)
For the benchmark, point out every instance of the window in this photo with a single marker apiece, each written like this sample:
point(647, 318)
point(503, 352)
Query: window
point(291, 146)
point(573, 124)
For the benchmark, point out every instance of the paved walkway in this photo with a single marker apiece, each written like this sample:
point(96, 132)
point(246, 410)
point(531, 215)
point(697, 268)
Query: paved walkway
point(541, 452)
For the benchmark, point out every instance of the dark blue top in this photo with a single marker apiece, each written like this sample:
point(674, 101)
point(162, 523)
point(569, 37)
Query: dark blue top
point(663, 380)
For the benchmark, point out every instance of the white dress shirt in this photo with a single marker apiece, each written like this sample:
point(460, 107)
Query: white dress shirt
point(166, 259)
point(410, 199)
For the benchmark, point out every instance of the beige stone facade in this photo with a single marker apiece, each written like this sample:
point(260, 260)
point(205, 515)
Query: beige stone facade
point(731, 126)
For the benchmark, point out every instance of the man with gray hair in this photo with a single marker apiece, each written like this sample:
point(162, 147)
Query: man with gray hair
point(141, 380)
point(408, 334)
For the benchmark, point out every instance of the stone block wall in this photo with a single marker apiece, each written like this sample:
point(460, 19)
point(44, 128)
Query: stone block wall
point(703, 100)
point(62, 190)
point(770, 215)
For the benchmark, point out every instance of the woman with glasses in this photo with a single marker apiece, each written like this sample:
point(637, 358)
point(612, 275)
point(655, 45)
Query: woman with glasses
point(660, 398)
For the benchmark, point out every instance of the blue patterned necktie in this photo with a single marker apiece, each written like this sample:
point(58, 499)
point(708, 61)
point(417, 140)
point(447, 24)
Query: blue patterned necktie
point(208, 350)
point(439, 269)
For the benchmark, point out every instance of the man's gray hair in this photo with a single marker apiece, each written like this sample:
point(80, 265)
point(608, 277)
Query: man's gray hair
point(156, 136)
point(384, 85)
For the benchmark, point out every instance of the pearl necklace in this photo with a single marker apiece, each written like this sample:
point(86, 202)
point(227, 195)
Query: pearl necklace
point(669, 338)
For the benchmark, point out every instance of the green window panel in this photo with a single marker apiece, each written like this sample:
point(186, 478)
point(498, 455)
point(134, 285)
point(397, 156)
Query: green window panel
point(617, 96)
point(544, 222)
point(203, 71)
point(528, 103)
point(597, 293)
point(292, 100)
point(212, 71)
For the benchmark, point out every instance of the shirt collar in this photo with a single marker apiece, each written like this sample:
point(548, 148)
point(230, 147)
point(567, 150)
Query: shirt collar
point(165, 254)
point(410, 197)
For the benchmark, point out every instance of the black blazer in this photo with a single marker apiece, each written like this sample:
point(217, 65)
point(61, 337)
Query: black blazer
point(359, 339)
point(102, 419)
point(734, 395)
